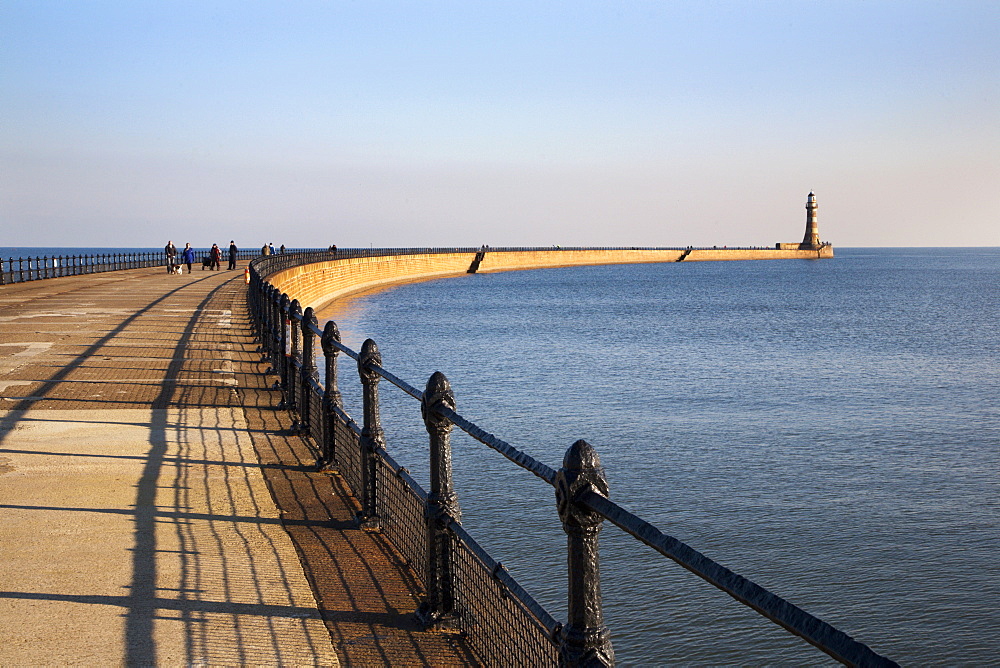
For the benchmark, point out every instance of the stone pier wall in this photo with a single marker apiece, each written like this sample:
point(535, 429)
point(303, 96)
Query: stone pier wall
point(712, 255)
point(318, 283)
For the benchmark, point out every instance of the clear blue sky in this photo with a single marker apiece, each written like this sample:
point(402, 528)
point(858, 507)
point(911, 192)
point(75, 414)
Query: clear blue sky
point(507, 123)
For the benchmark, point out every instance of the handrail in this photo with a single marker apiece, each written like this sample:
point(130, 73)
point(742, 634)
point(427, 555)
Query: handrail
point(33, 268)
point(792, 618)
point(580, 489)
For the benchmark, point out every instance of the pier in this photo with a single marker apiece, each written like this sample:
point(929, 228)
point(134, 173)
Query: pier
point(181, 485)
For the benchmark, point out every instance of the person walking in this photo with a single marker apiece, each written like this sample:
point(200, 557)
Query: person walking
point(215, 258)
point(233, 250)
point(265, 250)
point(171, 252)
point(187, 256)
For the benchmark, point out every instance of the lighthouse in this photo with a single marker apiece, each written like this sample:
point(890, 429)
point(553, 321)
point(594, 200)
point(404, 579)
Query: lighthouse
point(811, 240)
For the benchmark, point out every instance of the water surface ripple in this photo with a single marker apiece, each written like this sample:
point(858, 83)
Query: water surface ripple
point(829, 429)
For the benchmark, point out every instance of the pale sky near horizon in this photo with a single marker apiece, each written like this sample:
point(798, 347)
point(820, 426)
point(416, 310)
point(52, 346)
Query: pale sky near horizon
point(505, 123)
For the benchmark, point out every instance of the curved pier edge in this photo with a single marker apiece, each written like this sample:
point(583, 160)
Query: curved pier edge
point(319, 283)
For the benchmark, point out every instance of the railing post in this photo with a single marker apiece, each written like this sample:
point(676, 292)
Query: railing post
point(259, 291)
point(309, 371)
point(331, 398)
point(267, 330)
point(282, 323)
point(438, 609)
point(585, 640)
point(271, 344)
point(275, 320)
point(264, 318)
point(267, 321)
point(372, 437)
point(294, 356)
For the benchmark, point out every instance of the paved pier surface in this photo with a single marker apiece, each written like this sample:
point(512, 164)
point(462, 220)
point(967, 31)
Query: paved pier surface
point(152, 509)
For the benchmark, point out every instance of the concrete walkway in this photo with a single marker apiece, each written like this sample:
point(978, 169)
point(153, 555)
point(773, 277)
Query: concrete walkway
point(152, 509)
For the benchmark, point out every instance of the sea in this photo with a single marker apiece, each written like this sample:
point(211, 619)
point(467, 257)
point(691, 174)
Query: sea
point(829, 429)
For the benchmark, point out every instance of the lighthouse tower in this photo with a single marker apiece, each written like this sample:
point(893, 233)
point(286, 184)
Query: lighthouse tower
point(811, 239)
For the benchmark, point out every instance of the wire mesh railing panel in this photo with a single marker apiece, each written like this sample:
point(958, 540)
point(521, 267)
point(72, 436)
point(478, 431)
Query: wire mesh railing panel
point(347, 453)
point(317, 423)
point(295, 383)
point(314, 418)
point(400, 509)
point(499, 629)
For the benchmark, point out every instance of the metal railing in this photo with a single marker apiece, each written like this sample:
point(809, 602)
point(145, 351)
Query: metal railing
point(22, 269)
point(465, 588)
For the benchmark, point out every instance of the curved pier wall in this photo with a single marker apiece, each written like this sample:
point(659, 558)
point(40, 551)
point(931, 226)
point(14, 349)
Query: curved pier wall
point(540, 259)
point(320, 282)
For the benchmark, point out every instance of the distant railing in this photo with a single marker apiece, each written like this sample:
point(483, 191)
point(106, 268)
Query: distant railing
point(465, 587)
point(21, 269)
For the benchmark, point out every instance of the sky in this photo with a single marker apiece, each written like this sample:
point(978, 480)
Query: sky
point(509, 123)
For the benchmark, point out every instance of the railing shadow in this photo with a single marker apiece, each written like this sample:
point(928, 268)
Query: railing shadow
point(367, 591)
point(208, 564)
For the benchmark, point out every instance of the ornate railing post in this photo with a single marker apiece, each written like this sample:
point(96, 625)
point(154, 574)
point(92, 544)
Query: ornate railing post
point(267, 324)
point(331, 398)
point(372, 436)
point(309, 371)
point(585, 640)
point(264, 295)
point(294, 357)
point(275, 320)
point(260, 299)
point(253, 303)
point(282, 323)
point(438, 609)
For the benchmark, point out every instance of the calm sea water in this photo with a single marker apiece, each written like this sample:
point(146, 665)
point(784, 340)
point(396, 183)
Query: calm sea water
point(829, 429)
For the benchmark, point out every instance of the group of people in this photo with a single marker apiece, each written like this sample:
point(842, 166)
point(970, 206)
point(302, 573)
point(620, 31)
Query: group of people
point(187, 256)
point(268, 249)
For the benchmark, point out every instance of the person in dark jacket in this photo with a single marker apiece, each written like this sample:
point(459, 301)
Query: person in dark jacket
point(233, 250)
point(171, 251)
point(187, 256)
point(215, 257)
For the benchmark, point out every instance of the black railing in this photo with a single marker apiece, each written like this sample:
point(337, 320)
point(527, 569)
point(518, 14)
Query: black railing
point(465, 587)
point(21, 269)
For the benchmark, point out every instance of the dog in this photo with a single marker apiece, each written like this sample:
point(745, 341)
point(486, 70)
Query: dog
point(175, 269)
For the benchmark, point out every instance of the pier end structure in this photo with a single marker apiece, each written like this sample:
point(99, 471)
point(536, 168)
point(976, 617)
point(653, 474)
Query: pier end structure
point(811, 240)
